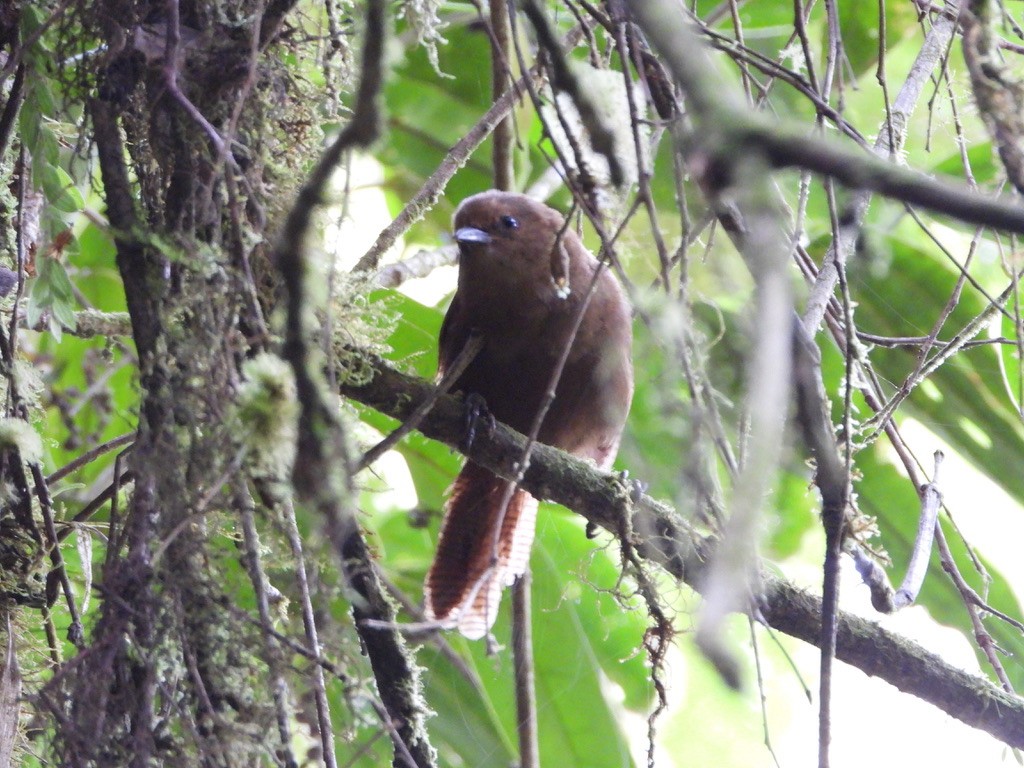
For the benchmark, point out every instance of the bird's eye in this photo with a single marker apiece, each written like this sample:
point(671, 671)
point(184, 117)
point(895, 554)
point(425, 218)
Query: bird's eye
point(509, 222)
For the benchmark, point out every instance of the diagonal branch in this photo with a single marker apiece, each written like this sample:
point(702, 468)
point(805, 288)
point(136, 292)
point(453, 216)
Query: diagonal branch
point(664, 538)
point(785, 144)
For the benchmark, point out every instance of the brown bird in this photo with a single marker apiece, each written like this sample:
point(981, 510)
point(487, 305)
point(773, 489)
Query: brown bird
point(522, 279)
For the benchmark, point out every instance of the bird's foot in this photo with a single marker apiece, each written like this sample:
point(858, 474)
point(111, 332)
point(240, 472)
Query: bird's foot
point(636, 488)
point(477, 416)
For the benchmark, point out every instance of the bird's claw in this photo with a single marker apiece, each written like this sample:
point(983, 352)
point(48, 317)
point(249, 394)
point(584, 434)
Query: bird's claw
point(635, 488)
point(476, 415)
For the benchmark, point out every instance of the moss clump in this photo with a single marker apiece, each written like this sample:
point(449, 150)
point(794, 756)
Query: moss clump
point(17, 434)
point(268, 410)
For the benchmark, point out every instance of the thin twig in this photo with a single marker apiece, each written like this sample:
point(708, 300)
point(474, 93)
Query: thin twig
point(76, 633)
point(172, 60)
point(21, 247)
point(522, 655)
point(538, 421)
point(501, 76)
point(10, 113)
point(762, 695)
point(564, 79)
point(89, 456)
point(435, 637)
point(107, 494)
point(715, 108)
point(644, 172)
point(323, 707)
point(887, 145)
point(833, 515)
point(466, 355)
point(931, 500)
point(272, 654)
point(981, 635)
point(420, 264)
point(522, 628)
point(433, 187)
point(832, 477)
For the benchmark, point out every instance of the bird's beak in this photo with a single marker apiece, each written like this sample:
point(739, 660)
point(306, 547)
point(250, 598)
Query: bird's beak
point(471, 235)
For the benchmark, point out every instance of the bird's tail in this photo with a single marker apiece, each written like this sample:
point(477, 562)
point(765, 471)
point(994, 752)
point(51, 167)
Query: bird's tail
point(472, 565)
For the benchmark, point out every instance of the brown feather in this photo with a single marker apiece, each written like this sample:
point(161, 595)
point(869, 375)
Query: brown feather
point(464, 584)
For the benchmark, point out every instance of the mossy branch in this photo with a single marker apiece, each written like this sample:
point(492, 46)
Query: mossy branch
point(663, 537)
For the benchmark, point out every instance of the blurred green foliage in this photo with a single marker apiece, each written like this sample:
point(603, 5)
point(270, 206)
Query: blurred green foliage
point(592, 679)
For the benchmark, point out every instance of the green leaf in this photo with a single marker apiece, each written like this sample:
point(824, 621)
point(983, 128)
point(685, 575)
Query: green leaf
point(39, 299)
point(796, 507)
point(29, 124)
point(64, 314)
point(980, 157)
point(96, 274)
point(51, 291)
point(466, 722)
point(60, 189)
point(53, 272)
point(1011, 369)
point(734, 734)
point(55, 328)
point(33, 17)
point(859, 27)
point(413, 342)
point(46, 152)
point(574, 578)
point(966, 403)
